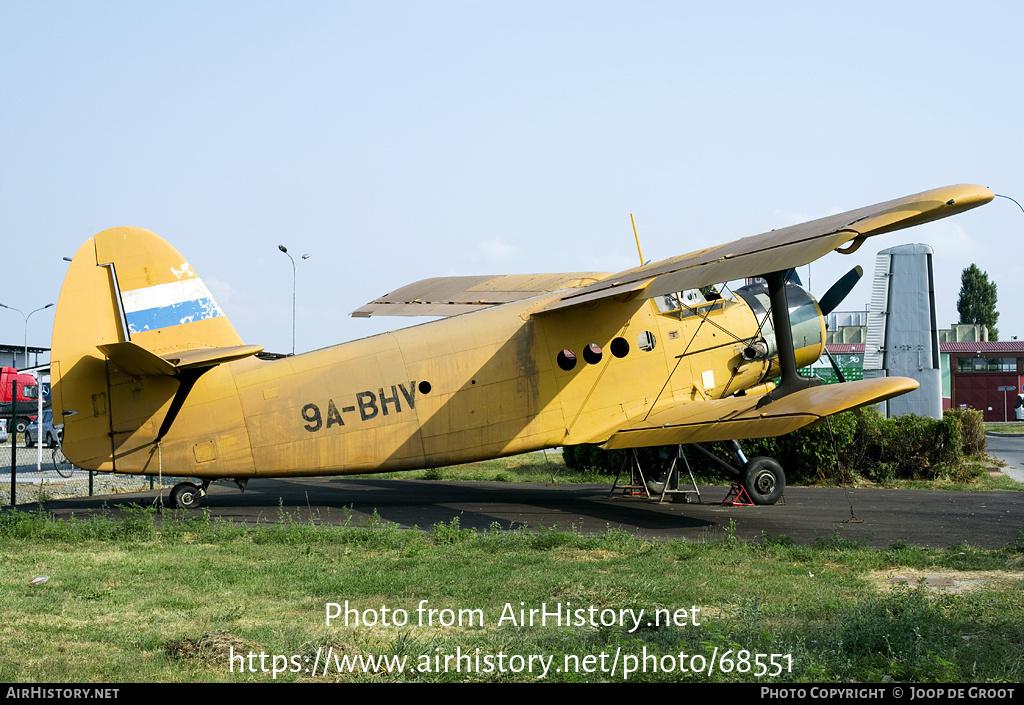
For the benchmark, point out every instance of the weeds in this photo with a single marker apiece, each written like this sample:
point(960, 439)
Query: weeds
point(447, 534)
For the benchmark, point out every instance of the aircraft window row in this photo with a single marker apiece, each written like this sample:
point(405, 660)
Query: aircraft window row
point(694, 302)
point(592, 353)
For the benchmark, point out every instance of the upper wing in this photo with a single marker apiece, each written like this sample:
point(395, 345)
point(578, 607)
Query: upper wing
point(739, 417)
point(774, 251)
point(450, 296)
point(779, 250)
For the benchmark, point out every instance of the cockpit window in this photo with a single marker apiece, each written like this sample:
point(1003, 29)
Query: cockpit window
point(693, 302)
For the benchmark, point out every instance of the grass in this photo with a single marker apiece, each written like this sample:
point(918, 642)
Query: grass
point(529, 467)
point(130, 600)
point(1005, 427)
point(973, 476)
point(983, 481)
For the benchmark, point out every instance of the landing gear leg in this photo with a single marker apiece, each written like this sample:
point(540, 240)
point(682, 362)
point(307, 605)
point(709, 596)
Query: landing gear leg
point(762, 477)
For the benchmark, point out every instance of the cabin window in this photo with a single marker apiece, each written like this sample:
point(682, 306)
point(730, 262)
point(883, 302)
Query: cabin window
point(566, 359)
point(620, 347)
point(592, 354)
point(646, 341)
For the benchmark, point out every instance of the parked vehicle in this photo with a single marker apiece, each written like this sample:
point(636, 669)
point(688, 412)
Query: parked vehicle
point(51, 435)
point(26, 405)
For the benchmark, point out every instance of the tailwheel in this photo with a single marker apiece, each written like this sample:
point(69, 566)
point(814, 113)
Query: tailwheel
point(185, 495)
point(764, 480)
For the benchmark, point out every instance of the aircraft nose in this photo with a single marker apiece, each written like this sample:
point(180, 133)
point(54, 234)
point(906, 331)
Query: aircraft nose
point(804, 316)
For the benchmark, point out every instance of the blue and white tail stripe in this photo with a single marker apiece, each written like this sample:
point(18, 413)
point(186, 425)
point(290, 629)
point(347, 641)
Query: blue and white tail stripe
point(166, 305)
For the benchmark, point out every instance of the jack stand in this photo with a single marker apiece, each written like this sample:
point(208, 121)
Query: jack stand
point(737, 497)
point(671, 485)
point(637, 485)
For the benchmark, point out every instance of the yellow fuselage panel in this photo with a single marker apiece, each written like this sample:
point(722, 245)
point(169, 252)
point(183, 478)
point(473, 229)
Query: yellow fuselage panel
point(133, 316)
point(457, 390)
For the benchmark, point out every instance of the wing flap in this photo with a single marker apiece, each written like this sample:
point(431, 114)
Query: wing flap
point(782, 249)
point(739, 417)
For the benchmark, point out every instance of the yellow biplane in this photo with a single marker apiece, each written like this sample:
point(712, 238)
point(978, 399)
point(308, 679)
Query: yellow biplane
point(150, 377)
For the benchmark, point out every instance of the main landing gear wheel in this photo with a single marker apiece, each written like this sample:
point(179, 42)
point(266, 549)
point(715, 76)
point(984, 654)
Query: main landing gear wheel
point(185, 495)
point(764, 480)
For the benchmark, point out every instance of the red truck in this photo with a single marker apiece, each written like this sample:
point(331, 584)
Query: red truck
point(26, 406)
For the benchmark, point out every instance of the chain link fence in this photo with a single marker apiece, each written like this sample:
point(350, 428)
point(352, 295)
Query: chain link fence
point(56, 478)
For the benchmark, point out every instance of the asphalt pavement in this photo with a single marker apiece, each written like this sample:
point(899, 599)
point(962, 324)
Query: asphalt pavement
point(878, 517)
point(1010, 449)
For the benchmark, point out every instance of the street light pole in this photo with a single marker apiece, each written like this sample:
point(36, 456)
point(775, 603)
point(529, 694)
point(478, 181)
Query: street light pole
point(26, 323)
point(285, 250)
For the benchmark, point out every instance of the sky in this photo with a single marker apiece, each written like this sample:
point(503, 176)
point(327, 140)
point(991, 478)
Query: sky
point(394, 141)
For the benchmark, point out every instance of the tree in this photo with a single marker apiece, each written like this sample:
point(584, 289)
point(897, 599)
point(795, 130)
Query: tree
point(977, 302)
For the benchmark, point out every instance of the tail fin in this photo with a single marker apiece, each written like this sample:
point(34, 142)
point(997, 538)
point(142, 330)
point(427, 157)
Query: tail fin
point(166, 305)
point(131, 315)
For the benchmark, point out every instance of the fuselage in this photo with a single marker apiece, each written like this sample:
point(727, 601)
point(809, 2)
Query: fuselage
point(150, 376)
point(496, 382)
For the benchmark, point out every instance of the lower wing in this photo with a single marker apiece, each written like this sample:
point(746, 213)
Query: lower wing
point(739, 417)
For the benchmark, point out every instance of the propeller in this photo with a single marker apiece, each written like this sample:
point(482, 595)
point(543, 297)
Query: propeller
point(835, 295)
point(832, 298)
point(835, 366)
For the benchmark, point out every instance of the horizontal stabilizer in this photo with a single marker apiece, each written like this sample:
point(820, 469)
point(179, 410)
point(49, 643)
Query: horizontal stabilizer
point(207, 357)
point(139, 362)
point(739, 417)
point(450, 296)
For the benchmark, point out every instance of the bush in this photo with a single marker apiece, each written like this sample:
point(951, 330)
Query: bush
point(816, 454)
point(906, 447)
point(590, 458)
point(972, 424)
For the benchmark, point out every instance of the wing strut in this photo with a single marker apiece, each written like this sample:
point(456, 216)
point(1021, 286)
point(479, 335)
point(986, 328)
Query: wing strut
point(186, 380)
point(792, 380)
